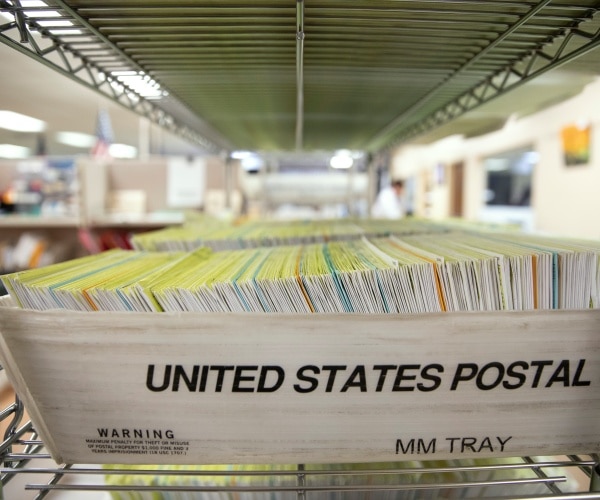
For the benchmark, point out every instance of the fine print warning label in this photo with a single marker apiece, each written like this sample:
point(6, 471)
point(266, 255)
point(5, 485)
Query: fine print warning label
point(137, 442)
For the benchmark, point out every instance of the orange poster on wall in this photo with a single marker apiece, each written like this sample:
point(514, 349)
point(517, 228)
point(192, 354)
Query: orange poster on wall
point(576, 144)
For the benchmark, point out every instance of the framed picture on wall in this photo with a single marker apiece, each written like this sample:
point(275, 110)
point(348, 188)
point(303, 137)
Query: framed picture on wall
point(575, 139)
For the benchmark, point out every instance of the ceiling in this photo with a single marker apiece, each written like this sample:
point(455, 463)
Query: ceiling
point(362, 75)
point(33, 89)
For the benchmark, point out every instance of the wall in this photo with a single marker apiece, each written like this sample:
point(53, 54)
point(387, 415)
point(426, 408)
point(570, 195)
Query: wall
point(565, 200)
point(149, 176)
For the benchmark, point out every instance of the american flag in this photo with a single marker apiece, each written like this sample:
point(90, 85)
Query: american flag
point(104, 135)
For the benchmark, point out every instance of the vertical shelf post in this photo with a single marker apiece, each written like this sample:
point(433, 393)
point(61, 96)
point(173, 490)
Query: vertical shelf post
point(595, 479)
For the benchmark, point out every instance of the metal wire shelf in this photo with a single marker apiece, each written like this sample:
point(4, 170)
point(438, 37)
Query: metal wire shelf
point(569, 477)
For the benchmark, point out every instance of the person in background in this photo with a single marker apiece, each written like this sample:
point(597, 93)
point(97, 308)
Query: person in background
point(389, 203)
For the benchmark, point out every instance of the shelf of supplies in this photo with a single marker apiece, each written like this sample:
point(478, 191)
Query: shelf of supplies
point(32, 221)
point(150, 220)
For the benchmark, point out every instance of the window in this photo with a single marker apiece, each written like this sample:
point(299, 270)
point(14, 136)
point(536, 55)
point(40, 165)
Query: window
point(509, 178)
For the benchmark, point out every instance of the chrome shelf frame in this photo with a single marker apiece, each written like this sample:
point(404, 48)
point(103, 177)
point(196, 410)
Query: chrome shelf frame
point(229, 73)
point(572, 43)
point(88, 58)
point(300, 482)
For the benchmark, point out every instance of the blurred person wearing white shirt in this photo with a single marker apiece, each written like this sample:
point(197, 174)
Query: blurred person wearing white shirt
point(389, 203)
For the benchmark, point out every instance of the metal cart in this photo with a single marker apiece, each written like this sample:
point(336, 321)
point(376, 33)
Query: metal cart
point(22, 455)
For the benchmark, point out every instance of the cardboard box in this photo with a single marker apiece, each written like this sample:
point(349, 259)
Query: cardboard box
point(260, 388)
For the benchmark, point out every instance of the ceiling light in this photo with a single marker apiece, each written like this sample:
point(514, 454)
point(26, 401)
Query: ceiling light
point(140, 83)
point(13, 152)
point(55, 23)
point(240, 155)
point(342, 160)
point(28, 4)
point(20, 123)
point(76, 139)
point(65, 32)
point(43, 13)
point(122, 151)
point(252, 163)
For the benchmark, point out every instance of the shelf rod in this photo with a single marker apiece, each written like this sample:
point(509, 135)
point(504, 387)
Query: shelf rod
point(74, 470)
point(595, 479)
point(294, 488)
point(299, 73)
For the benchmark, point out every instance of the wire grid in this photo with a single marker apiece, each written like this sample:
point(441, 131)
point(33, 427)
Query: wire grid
point(569, 477)
point(369, 72)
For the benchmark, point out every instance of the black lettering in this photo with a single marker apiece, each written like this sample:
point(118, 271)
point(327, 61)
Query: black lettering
point(495, 382)
point(383, 370)
point(538, 373)
point(460, 377)
point(421, 448)
point(189, 382)
point(333, 370)
point(425, 375)
point(138, 433)
point(486, 443)
point(220, 375)
point(452, 441)
point(468, 442)
point(203, 379)
point(157, 434)
point(503, 442)
point(115, 433)
point(169, 434)
point(301, 376)
point(561, 374)
point(103, 432)
point(239, 377)
point(400, 376)
point(125, 433)
point(361, 379)
point(150, 379)
point(578, 372)
point(409, 448)
point(262, 380)
point(521, 377)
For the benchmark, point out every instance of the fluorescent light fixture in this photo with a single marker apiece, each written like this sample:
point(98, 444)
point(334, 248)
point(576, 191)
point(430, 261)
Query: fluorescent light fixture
point(240, 155)
point(252, 163)
point(122, 151)
point(140, 83)
point(55, 23)
point(341, 160)
point(65, 32)
point(20, 123)
point(117, 86)
point(76, 139)
point(13, 152)
point(28, 4)
point(43, 13)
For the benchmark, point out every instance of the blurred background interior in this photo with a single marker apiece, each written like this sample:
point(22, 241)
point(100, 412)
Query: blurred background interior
point(118, 119)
